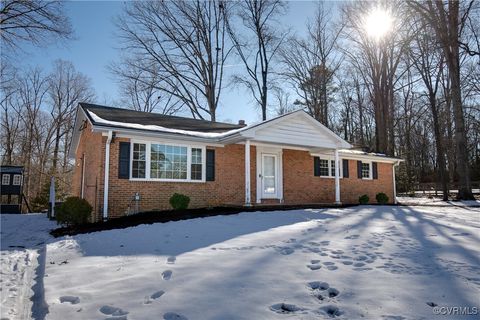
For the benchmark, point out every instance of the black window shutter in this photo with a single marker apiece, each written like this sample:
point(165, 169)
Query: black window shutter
point(124, 160)
point(345, 168)
point(374, 170)
point(210, 165)
point(359, 169)
point(316, 166)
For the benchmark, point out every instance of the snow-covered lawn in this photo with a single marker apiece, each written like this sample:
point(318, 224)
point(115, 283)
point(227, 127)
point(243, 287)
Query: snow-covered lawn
point(424, 201)
point(370, 262)
point(23, 240)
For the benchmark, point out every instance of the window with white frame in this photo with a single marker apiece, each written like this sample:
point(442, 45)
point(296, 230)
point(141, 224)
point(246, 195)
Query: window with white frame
point(17, 179)
point(324, 168)
point(196, 166)
point(366, 170)
point(167, 162)
point(332, 168)
point(139, 160)
point(327, 168)
point(5, 179)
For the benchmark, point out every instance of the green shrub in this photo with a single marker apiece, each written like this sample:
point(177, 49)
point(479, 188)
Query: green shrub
point(381, 198)
point(179, 201)
point(363, 199)
point(73, 211)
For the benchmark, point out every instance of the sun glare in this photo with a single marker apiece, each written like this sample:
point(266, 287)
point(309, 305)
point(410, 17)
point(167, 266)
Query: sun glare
point(378, 23)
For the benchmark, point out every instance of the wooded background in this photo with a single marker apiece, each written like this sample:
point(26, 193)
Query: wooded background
point(413, 92)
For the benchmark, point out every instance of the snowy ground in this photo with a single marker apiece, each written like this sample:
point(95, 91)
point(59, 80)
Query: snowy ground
point(369, 262)
point(424, 201)
point(23, 240)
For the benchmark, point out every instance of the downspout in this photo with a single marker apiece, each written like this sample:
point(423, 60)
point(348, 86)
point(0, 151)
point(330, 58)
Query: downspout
point(83, 177)
point(394, 183)
point(107, 171)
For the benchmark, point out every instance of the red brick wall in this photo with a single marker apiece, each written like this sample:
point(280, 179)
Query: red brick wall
point(228, 187)
point(89, 145)
point(299, 183)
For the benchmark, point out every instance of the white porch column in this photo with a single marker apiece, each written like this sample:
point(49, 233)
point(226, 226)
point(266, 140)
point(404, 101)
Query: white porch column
point(394, 184)
point(337, 178)
point(247, 173)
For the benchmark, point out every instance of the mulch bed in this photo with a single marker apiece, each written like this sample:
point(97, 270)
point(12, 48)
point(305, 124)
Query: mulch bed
point(171, 215)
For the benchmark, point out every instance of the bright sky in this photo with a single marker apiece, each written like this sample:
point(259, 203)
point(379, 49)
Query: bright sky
point(95, 47)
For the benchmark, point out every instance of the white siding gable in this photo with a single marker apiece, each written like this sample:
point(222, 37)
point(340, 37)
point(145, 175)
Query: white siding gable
point(298, 129)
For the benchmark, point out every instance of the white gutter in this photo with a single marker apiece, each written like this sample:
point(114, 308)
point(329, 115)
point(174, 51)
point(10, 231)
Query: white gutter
point(107, 171)
point(394, 183)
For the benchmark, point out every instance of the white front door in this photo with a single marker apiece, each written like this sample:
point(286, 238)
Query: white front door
point(269, 176)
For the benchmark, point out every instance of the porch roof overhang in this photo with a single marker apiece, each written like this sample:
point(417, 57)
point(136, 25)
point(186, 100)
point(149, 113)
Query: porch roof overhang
point(296, 129)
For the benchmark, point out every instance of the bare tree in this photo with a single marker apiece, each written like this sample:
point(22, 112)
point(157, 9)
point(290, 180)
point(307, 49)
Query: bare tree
point(258, 51)
point(32, 21)
point(429, 63)
point(377, 61)
point(311, 63)
point(184, 43)
point(67, 87)
point(448, 21)
point(10, 120)
point(282, 101)
point(139, 90)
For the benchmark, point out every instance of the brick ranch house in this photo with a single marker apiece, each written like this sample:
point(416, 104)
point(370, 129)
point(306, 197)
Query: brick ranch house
point(122, 155)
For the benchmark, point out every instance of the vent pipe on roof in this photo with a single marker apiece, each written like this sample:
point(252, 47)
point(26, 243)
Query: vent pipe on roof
point(241, 122)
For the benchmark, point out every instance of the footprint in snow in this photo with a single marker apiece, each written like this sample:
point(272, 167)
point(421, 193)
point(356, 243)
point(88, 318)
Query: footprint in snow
point(70, 299)
point(167, 274)
point(331, 310)
point(332, 292)
point(173, 316)
point(285, 308)
point(353, 236)
point(113, 311)
point(286, 251)
point(314, 266)
point(154, 296)
point(318, 285)
point(171, 260)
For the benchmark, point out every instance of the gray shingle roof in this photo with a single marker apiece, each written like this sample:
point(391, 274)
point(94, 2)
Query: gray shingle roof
point(146, 118)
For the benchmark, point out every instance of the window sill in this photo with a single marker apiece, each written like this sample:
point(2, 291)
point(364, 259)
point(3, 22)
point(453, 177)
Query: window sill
point(166, 180)
point(329, 177)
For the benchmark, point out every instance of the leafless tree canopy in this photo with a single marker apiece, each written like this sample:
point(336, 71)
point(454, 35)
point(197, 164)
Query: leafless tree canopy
point(182, 43)
point(35, 22)
point(310, 64)
point(37, 122)
point(257, 42)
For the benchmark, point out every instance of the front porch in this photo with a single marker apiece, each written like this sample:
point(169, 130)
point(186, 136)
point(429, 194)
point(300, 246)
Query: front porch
point(265, 181)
